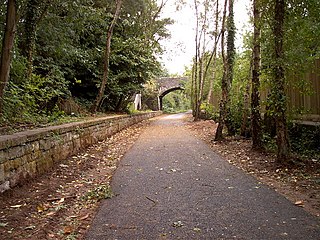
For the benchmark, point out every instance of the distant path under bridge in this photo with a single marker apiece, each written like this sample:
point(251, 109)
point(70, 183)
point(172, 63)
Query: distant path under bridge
point(167, 85)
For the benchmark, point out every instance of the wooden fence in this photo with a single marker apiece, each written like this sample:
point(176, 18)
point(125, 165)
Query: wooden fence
point(306, 98)
point(303, 96)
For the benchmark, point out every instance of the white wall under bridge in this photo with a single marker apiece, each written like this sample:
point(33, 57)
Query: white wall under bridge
point(164, 86)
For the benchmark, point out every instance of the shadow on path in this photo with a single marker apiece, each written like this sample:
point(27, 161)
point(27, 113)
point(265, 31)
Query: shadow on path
point(171, 185)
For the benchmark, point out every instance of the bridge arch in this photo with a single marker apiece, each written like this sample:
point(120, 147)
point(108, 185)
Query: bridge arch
point(164, 93)
point(167, 85)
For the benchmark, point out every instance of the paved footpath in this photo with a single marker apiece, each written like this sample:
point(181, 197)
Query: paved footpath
point(171, 185)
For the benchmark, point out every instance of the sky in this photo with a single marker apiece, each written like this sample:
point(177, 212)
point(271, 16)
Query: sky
point(180, 48)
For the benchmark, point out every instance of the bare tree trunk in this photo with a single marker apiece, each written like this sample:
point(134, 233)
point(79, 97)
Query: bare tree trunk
point(201, 79)
point(202, 72)
point(96, 103)
point(255, 95)
point(216, 37)
point(192, 90)
point(7, 45)
point(224, 85)
point(278, 87)
point(196, 62)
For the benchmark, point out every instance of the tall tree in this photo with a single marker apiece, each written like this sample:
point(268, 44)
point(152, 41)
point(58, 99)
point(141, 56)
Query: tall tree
point(214, 56)
point(231, 52)
point(106, 60)
point(196, 107)
point(224, 81)
point(201, 62)
point(35, 11)
point(278, 85)
point(7, 45)
point(255, 94)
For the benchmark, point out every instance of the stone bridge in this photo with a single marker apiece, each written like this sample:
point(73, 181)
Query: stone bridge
point(167, 85)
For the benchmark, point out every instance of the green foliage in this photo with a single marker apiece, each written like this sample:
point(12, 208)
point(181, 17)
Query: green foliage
point(269, 143)
point(33, 98)
point(305, 140)
point(175, 102)
point(98, 193)
point(150, 96)
point(68, 42)
point(241, 79)
point(301, 45)
point(209, 112)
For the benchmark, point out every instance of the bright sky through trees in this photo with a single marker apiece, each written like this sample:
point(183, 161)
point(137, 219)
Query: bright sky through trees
point(179, 49)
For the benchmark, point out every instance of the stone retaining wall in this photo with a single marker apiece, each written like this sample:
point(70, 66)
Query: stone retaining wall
point(24, 155)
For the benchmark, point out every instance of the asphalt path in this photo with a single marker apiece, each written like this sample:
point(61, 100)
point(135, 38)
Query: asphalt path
point(171, 185)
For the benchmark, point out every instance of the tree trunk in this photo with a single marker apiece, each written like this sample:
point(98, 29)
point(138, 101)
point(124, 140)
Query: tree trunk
point(32, 19)
point(216, 38)
point(278, 87)
point(255, 95)
point(7, 45)
point(96, 103)
point(196, 62)
point(202, 72)
point(224, 85)
point(230, 64)
point(192, 90)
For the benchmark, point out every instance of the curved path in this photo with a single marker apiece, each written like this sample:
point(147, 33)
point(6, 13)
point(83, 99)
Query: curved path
point(171, 185)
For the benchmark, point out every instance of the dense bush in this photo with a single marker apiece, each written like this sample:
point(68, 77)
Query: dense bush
point(175, 102)
point(305, 139)
point(59, 49)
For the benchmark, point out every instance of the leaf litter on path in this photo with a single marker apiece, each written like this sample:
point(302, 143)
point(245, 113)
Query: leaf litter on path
point(55, 202)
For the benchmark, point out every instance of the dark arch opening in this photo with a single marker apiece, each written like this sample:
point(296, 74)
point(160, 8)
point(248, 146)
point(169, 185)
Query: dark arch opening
point(162, 95)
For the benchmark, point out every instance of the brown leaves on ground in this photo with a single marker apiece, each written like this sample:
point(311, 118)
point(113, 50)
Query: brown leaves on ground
point(299, 183)
point(62, 203)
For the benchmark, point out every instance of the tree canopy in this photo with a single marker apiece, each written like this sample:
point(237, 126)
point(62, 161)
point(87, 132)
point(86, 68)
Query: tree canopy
point(58, 53)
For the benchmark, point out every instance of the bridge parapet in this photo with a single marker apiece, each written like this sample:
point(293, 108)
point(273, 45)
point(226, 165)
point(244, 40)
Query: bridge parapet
point(164, 86)
point(169, 84)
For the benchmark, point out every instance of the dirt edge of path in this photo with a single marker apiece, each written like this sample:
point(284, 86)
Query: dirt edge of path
point(299, 184)
point(62, 203)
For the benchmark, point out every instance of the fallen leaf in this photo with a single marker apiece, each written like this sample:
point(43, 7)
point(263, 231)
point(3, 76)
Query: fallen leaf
point(177, 224)
point(85, 217)
point(16, 206)
point(197, 229)
point(299, 203)
point(30, 227)
point(67, 230)
point(3, 224)
point(50, 214)
point(42, 208)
